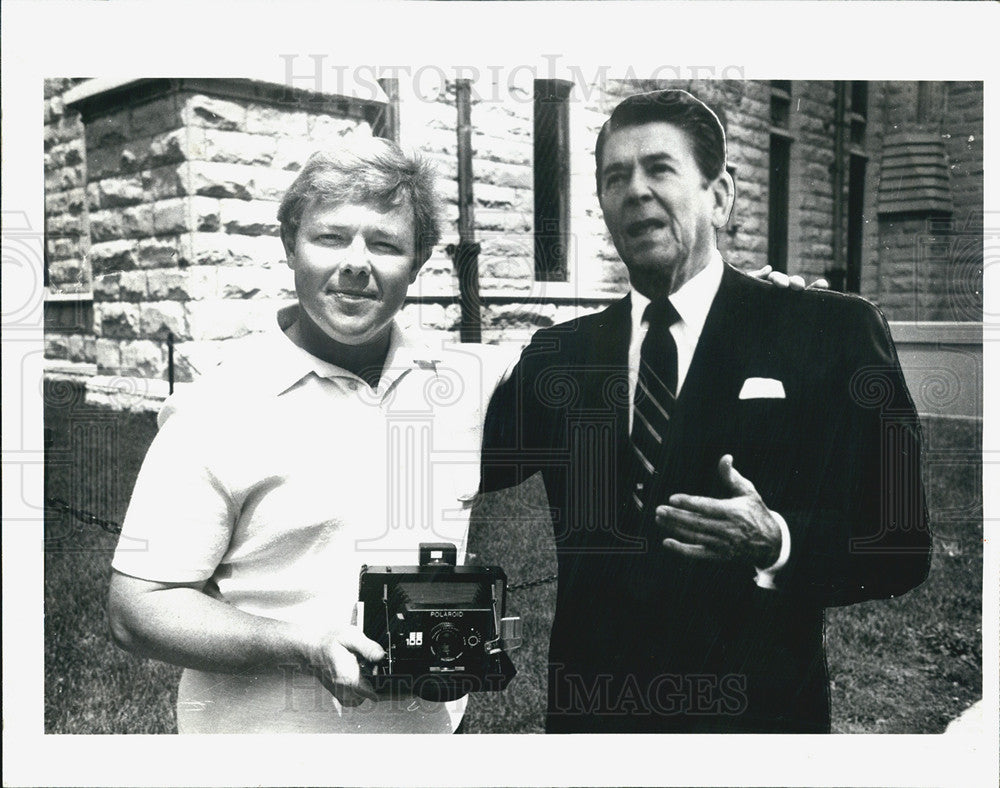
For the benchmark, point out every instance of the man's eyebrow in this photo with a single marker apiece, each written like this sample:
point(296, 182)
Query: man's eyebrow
point(378, 232)
point(657, 156)
point(615, 165)
point(644, 159)
point(319, 224)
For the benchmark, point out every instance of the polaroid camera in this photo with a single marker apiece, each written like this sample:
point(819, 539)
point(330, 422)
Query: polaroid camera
point(442, 626)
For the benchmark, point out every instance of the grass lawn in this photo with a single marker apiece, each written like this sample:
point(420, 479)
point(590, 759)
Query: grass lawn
point(903, 666)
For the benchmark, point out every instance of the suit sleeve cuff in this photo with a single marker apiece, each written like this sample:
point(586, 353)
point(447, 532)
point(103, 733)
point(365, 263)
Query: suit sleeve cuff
point(765, 577)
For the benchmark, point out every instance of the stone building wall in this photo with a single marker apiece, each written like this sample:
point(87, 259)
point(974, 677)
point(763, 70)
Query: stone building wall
point(67, 234)
point(182, 194)
point(929, 264)
point(69, 328)
point(164, 210)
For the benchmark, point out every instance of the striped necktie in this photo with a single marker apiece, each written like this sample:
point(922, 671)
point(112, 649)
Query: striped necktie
point(655, 393)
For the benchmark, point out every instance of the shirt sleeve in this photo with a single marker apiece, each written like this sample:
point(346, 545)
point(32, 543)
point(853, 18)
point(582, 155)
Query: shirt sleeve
point(180, 517)
point(765, 577)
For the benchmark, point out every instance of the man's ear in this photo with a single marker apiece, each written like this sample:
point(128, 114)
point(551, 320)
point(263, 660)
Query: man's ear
point(723, 195)
point(415, 269)
point(289, 252)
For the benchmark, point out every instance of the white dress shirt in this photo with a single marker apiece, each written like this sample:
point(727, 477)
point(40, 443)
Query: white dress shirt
point(692, 302)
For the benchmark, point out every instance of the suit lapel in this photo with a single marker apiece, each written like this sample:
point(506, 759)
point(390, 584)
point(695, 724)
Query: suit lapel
point(703, 409)
point(607, 352)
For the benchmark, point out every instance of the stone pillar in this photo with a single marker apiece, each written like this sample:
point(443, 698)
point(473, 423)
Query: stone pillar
point(184, 178)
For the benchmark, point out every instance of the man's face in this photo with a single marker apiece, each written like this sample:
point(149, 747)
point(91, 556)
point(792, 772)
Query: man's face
point(659, 208)
point(353, 265)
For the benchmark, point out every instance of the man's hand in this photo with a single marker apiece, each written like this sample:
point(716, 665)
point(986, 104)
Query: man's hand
point(334, 656)
point(740, 528)
point(795, 282)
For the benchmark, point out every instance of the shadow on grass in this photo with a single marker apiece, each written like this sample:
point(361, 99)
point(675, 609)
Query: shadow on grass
point(902, 666)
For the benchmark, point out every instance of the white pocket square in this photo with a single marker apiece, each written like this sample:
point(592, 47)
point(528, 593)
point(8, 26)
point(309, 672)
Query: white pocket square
point(762, 388)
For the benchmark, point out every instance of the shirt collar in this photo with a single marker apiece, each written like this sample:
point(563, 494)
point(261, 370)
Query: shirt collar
point(287, 363)
point(692, 301)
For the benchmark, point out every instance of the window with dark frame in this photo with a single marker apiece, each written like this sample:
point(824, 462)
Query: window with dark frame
point(551, 178)
point(779, 177)
point(857, 166)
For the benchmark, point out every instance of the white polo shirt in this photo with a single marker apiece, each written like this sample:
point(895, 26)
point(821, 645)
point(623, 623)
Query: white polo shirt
point(275, 477)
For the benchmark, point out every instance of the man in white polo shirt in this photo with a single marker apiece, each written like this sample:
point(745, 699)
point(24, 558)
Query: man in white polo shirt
point(330, 441)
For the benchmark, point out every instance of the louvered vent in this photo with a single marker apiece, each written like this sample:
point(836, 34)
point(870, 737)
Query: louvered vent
point(915, 176)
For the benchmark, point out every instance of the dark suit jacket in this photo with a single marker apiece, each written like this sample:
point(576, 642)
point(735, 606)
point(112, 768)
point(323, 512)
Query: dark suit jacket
point(644, 640)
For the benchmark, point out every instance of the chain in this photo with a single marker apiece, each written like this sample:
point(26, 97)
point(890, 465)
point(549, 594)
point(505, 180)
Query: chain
point(114, 528)
point(83, 516)
point(532, 583)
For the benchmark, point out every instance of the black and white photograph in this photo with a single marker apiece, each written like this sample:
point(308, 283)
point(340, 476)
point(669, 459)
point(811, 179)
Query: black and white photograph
point(556, 394)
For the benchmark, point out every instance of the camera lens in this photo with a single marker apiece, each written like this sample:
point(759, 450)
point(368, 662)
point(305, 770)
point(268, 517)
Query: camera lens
point(447, 642)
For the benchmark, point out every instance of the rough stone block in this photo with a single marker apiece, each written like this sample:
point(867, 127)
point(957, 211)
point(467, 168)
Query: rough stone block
point(518, 270)
point(446, 165)
point(112, 256)
point(193, 359)
point(500, 120)
point(108, 130)
point(226, 319)
point(291, 153)
point(64, 178)
point(171, 217)
point(256, 217)
point(276, 121)
point(489, 172)
point(155, 117)
point(205, 213)
point(493, 220)
point(137, 222)
point(73, 202)
point(134, 156)
point(107, 287)
point(165, 182)
point(186, 284)
point(122, 191)
point(253, 282)
point(159, 252)
point(103, 163)
point(57, 346)
point(108, 355)
point(509, 150)
point(144, 358)
point(211, 112)
point(435, 281)
point(81, 349)
point(327, 129)
point(72, 153)
point(237, 147)
point(66, 224)
point(225, 249)
point(267, 184)
point(133, 286)
point(65, 248)
point(436, 317)
point(518, 316)
point(219, 179)
point(50, 137)
point(93, 196)
point(67, 274)
point(168, 148)
point(117, 320)
point(161, 318)
point(490, 196)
